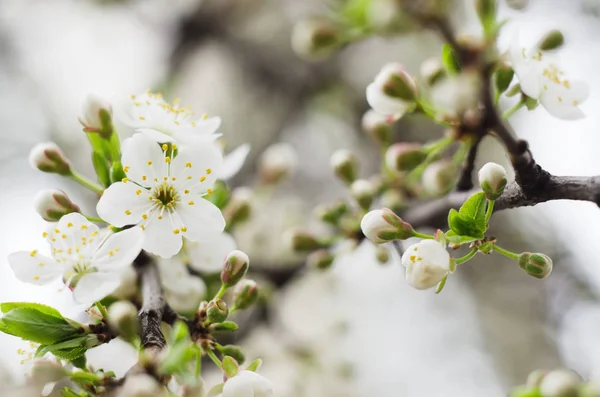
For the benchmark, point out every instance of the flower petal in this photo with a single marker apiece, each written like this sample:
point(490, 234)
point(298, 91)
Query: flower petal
point(197, 167)
point(123, 203)
point(33, 268)
point(233, 162)
point(143, 159)
point(159, 237)
point(209, 254)
point(202, 218)
point(155, 135)
point(93, 287)
point(73, 234)
point(238, 386)
point(384, 105)
point(119, 250)
point(529, 79)
point(557, 107)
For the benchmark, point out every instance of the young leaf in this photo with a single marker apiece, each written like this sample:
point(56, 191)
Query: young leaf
point(36, 326)
point(449, 60)
point(441, 284)
point(474, 208)
point(453, 238)
point(101, 168)
point(178, 358)
point(230, 366)
point(8, 306)
point(462, 225)
point(215, 390)
point(64, 346)
point(254, 365)
point(225, 326)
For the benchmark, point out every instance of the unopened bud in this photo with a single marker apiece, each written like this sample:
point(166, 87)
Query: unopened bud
point(590, 388)
point(235, 268)
point(331, 213)
point(552, 41)
point(277, 162)
point(46, 371)
point(377, 126)
point(196, 390)
point(363, 192)
point(492, 179)
point(536, 265)
point(234, 352)
point(52, 204)
point(122, 319)
point(315, 39)
point(404, 156)
point(395, 82)
point(439, 177)
point(48, 157)
point(382, 254)
point(321, 259)
point(141, 385)
point(238, 208)
point(245, 294)
point(432, 70)
point(96, 114)
point(217, 311)
point(486, 11)
point(503, 77)
point(300, 240)
point(535, 378)
point(382, 226)
point(393, 199)
point(560, 383)
point(344, 165)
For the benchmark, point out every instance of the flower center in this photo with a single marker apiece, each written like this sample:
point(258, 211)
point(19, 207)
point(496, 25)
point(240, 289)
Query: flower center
point(165, 195)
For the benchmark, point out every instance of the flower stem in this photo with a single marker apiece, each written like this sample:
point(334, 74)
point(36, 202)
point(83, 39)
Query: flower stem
point(214, 358)
point(102, 309)
point(506, 253)
point(221, 292)
point(82, 180)
point(433, 151)
point(489, 210)
point(198, 368)
point(513, 110)
point(422, 235)
point(465, 258)
point(461, 153)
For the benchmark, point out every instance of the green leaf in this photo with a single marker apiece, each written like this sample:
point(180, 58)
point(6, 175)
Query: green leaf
point(101, 168)
point(37, 326)
point(215, 390)
point(449, 60)
point(486, 11)
point(79, 362)
point(462, 225)
point(8, 306)
point(180, 332)
point(453, 238)
point(474, 208)
point(524, 391)
point(225, 326)
point(502, 78)
point(62, 347)
point(441, 284)
point(355, 12)
point(230, 366)
point(254, 365)
point(178, 358)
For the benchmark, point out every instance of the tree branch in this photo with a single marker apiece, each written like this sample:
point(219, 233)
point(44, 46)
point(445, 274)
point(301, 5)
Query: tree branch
point(465, 181)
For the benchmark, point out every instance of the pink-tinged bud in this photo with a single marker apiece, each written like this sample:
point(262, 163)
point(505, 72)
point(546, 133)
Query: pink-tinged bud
point(377, 126)
point(320, 259)
point(48, 157)
point(404, 156)
point(235, 268)
point(432, 70)
point(363, 192)
point(344, 165)
point(217, 311)
point(395, 82)
point(93, 106)
point(46, 371)
point(492, 178)
point(277, 162)
point(382, 226)
point(52, 204)
point(316, 38)
point(245, 294)
point(536, 265)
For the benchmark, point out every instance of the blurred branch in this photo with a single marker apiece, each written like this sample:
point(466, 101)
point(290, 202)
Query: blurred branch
point(465, 180)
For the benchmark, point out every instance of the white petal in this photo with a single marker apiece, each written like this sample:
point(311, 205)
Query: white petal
point(209, 254)
point(119, 250)
point(121, 205)
point(560, 109)
point(529, 79)
point(143, 159)
point(72, 234)
point(203, 219)
point(515, 52)
point(34, 269)
point(196, 167)
point(155, 135)
point(237, 386)
point(159, 238)
point(93, 287)
point(234, 161)
point(384, 105)
point(202, 131)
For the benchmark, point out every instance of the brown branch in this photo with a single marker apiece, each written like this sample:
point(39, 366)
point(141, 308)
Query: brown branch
point(465, 180)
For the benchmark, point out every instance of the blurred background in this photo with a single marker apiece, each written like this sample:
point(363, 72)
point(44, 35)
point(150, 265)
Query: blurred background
point(357, 329)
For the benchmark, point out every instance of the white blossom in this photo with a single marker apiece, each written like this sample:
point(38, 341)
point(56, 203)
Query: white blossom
point(455, 95)
point(541, 78)
point(89, 264)
point(426, 262)
point(182, 290)
point(248, 384)
point(492, 178)
point(90, 112)
point(233, 162)
point(150, 114)
point(385, 93)
point(209, 254)
point(165, 194)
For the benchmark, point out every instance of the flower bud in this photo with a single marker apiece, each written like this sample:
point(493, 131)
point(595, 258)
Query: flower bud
point(331, 213)
point(393, 199)
point(141, 385)
point(277, 162)
point(90, 117)
point(535, 378)
point(122, 319)
point(234, 352)
point(590, 388)
point(315, 39)
point(46, 371)
point(404, 156)
point(382, 254)
point(300, 240)
point(393, 93)
point(492, 178)
point(552, 41)
point(217, 311)
point(344, 165)
point(235, 268)
point(432, 70)
point(439, 177)
point(427, 263)
point(196, 390)
point(377, 126)
point(239, 207)
point(536, 265)
point(48, 157)
point(245, 294)
point(52, 204)
point(382, 226)
point(320, 259)
point(560, 383)
point(486, 11)
point(363, 192)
